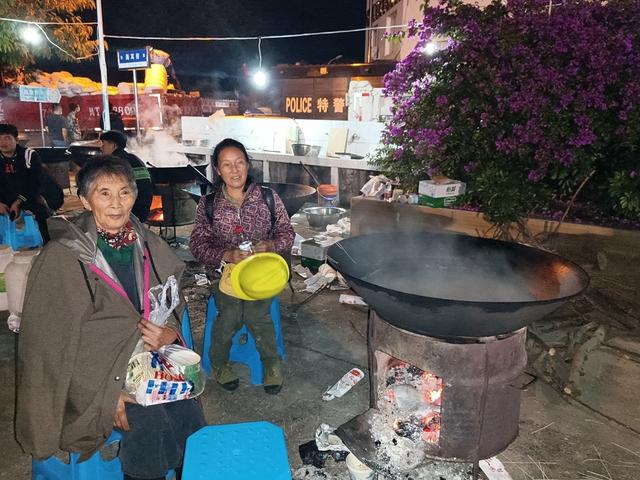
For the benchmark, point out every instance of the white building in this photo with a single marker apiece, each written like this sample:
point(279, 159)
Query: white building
point(385, 14)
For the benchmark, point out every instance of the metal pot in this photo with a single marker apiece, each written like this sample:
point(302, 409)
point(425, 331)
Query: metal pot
point(304, 150)
point(320, 217)
point(84, 151)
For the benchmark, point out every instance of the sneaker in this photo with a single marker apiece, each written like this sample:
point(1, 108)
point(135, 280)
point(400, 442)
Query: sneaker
point(273, 377)
point(226, 377)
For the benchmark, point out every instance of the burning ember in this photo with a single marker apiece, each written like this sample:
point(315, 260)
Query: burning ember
point(156, 214)
point(413, 400)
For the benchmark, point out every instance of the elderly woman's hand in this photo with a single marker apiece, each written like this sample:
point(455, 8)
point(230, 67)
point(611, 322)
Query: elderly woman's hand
point(154, 336)
point(121, 420)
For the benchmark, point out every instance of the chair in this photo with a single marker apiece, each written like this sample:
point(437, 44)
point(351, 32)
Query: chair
point(95, 468)
point(241, 351)
point(239, 451)
point(185, 328)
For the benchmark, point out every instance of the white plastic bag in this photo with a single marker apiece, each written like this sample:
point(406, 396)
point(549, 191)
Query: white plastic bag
point(161, 309)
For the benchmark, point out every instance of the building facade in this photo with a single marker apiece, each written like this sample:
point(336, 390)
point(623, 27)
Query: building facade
point(387, 13)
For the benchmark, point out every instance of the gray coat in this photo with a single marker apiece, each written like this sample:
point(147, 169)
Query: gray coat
point(77, 335)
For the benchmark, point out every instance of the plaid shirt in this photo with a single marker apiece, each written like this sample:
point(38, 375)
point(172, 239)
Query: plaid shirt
point(210, 239)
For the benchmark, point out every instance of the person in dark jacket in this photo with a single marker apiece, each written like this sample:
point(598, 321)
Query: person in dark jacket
point(20, 173)
point(115, 119)
point(114, 143)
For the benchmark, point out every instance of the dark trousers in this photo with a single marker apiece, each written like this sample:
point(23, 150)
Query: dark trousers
point(232, 314)
point(156, 441)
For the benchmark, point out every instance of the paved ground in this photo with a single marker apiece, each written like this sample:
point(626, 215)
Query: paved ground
point(560, 439)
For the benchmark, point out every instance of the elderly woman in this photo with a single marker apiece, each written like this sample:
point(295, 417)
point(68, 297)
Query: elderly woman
point(237, 210)
point(84, 312)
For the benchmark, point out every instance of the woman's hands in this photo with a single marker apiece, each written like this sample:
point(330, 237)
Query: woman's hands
point(121, 420)
point(154, 336)
point(264, 246)
point(235, 255)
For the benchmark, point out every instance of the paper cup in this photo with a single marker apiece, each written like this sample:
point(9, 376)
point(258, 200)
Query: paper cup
point(358, 470)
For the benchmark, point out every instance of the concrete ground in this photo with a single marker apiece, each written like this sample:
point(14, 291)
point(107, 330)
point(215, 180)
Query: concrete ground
point(560, 438)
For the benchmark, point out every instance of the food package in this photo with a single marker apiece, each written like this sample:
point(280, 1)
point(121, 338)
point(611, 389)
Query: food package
point(173, 373)
point(343, 385)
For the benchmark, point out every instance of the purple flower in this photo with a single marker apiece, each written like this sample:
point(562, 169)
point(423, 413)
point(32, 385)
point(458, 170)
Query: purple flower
point(633, 174)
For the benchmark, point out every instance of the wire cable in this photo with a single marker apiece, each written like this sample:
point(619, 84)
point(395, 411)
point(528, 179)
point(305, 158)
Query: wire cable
point(62, 49)
point(222, 39)
point(35, 22)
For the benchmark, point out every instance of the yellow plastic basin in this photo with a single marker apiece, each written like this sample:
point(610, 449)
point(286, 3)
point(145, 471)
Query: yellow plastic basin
point(260, 276)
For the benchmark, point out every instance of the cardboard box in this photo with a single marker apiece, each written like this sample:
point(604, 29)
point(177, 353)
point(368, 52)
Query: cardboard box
point(441, 202)
point(450, 188)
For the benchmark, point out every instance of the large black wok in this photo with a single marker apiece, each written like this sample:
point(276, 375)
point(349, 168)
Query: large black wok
point(84, 151)
point(453, 285)
point(293, 195)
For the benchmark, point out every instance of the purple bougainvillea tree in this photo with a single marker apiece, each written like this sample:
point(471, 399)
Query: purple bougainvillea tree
point(527, 102)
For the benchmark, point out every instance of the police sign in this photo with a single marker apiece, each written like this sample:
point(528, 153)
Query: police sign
point(132, 59)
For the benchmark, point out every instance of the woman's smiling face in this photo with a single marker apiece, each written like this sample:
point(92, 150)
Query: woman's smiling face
point(233, 167)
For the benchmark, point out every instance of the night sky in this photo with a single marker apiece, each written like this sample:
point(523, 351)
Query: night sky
point(212, 66)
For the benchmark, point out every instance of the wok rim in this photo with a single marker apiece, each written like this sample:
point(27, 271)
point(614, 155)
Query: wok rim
point(417, 299)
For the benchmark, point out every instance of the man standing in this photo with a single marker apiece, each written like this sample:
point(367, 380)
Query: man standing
point(57, 126)
point(20, 171)
point(73, 126)
point(114, 143)
point(115, 119)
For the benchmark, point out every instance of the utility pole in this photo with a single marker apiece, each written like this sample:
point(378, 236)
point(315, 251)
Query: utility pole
point(106, 122)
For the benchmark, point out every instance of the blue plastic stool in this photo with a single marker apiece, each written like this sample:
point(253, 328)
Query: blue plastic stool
point(246, 353)
point(95, 468)
point(185, 328)
point(92, 469)
point(239, 451)
point(29, 236)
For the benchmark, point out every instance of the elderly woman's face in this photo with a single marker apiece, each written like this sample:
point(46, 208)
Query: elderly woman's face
point(233, 167)
point(111, 199)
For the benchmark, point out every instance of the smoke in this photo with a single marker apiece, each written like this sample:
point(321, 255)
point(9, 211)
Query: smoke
point(458, 268)
point(159, 149)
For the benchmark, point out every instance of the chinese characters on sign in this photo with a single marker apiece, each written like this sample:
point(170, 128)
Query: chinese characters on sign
point(306, 105)
point(132, 59)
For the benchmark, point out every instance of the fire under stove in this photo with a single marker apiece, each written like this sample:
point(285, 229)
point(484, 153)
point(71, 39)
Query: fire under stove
point(446, 342)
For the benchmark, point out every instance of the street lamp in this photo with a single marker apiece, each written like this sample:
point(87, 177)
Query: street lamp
point(430, 48)
point(31, 35)
point(337, 57)
point(260, 79)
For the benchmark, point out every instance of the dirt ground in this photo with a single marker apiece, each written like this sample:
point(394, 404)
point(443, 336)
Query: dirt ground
point(592, 434)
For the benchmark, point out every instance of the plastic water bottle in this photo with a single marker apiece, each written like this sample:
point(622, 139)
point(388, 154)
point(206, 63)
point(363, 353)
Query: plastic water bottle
point(16, 276)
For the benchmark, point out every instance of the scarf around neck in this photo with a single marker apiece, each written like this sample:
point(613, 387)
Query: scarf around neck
point(125, 237)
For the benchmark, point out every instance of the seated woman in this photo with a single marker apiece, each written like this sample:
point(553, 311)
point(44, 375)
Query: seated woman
point(84, 312)
point(235, 211)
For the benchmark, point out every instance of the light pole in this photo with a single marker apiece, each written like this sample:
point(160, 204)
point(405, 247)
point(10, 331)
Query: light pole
point(106, 122)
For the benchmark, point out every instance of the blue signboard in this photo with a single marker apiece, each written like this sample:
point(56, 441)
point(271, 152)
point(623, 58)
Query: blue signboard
point(39, 94)
point(131, 59)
